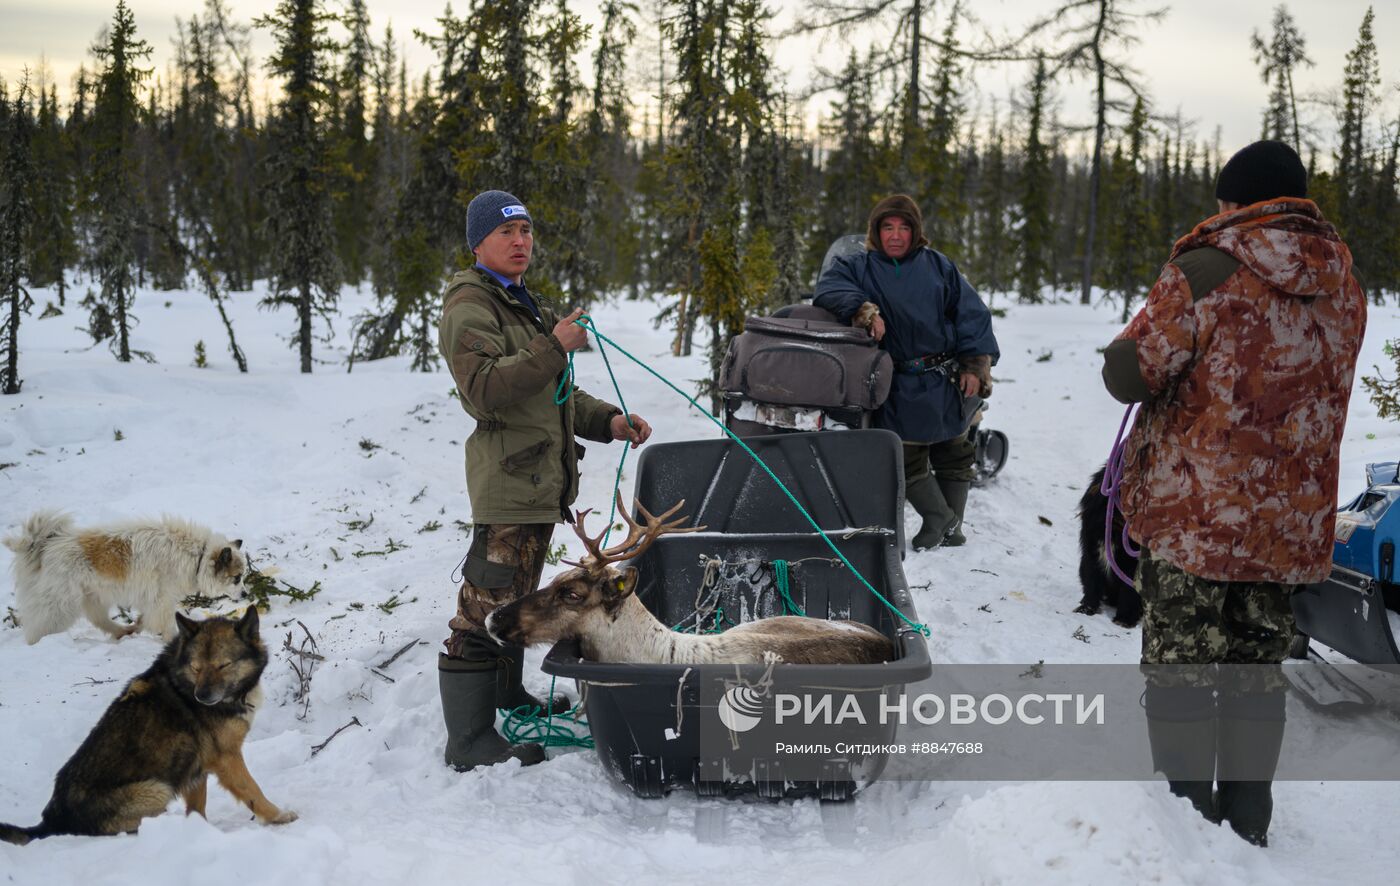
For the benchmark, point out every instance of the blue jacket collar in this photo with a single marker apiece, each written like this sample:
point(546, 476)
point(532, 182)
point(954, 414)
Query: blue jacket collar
point(505, 281)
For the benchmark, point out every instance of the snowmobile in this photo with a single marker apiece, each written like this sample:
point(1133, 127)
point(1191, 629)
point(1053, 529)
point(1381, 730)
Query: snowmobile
point(1356, 610)
point(801, 369)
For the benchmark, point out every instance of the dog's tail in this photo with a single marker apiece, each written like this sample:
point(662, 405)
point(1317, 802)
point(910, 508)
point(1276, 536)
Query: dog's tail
point(20, 836)
point(38, 529)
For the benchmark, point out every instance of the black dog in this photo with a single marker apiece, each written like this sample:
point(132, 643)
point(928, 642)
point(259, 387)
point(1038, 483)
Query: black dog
point(1100, 584)
point(174, 725)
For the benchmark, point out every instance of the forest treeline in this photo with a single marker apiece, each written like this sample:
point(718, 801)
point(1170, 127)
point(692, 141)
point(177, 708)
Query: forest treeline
point(672, 164)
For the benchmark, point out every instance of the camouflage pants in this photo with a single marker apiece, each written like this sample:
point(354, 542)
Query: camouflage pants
point(504, 564)
point(949, 460)
point(1188, 620)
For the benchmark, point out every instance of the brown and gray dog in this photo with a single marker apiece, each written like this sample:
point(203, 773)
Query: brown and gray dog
point(173, 726)
point(595, 603)
point(62, 572)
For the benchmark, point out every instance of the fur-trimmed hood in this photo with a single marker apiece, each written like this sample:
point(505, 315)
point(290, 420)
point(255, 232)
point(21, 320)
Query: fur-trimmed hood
point(896, 204)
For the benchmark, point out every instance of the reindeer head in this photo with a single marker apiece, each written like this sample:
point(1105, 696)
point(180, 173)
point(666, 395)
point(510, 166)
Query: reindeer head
point(593, 589)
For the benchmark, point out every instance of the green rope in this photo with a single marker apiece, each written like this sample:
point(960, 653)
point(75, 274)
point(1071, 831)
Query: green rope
point(617, 481)
point(524, 724)
point(566, 384)
point(780, 572)
point(566, 390)
point(587, 323)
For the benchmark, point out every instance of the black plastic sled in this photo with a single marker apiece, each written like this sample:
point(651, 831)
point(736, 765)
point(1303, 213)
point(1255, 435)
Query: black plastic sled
point(647, 720)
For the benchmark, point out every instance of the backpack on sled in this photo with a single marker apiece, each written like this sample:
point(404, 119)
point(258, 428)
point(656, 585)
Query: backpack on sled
point(802, 370)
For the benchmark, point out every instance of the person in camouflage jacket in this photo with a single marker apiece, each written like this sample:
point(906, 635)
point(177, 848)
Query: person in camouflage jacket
point(1243, 359)
point(508, 351)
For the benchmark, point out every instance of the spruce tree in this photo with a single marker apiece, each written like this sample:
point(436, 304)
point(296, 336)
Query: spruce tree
point(115, 211)
point(236, 220)
point(699, 164)
point(508, 97)
point(457, 143)
point(1163, 210)
point(938, 166)
point(1093, 37)
point(995, 253)
point(850, 183)
point(560, 179)
point(770, 257)
point(612, 229)
point(389, 175)
point(1277, 59)
point(53, 246)
point(418, 260)
point(910, 36)
point(298, 178)
point(1130, 247)
point(160, 260)
point(351, 142)
point(1036, 234)
point(207, 232)
point(1384, 239)
point(1066, 213)
point(17, 186)
point(790, 211)
point(1360, 91)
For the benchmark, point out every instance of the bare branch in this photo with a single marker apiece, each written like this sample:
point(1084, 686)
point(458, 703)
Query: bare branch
point(316, 749)
point(395, 657)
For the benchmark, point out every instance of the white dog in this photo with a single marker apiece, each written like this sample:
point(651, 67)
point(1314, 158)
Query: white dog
point(61, 572)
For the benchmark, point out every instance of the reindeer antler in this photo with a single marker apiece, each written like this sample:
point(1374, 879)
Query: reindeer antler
point(639, 537)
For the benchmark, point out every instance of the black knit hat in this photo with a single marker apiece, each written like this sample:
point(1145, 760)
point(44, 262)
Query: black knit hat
point(488, 211)
point(1262, 171)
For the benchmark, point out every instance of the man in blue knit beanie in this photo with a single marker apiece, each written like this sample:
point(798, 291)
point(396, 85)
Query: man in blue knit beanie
point(508, 351)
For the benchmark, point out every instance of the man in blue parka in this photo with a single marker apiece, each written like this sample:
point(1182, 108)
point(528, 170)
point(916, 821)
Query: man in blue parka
point(919, 307)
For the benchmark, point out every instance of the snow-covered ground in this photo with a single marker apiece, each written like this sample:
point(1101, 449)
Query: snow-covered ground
point(288, 462)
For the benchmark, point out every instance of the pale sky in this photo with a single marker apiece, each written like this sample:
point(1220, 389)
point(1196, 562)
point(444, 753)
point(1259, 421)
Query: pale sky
point(1198, 60)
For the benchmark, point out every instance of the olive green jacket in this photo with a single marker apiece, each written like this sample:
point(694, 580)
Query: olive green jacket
point(522, 460)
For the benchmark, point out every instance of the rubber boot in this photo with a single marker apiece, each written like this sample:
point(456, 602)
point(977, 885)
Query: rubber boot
point(468, 688)
point(1181, 729)
point(927, 499)
point(1248, 751)
point(512, 693)
point(955, 494)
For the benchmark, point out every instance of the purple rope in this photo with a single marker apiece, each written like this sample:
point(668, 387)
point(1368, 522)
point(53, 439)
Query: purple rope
point(1112, 480)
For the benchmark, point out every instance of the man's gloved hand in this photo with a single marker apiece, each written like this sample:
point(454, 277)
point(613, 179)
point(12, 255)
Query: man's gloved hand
point(867, 317)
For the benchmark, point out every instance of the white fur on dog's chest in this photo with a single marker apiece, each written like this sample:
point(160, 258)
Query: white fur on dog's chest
point(251, 702)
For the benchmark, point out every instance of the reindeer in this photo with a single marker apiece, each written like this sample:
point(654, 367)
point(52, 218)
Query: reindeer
point(595, 602)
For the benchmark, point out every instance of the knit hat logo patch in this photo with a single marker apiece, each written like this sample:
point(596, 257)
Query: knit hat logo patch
point(511, 211)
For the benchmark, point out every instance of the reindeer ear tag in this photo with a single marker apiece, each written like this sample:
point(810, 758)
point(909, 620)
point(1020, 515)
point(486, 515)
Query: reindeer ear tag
point(621, 584)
